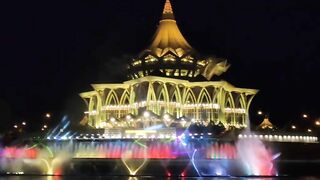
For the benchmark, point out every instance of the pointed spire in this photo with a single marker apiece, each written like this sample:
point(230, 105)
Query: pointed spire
point(167, 11)
point(168, 35)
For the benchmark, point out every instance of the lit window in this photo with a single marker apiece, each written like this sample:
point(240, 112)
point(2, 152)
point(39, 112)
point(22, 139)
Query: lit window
point(176, 73)
point(187, 60)
point(169, 72)
point(169, 58)
point(201, 62)
point(184, 72)
point(150, 59)
point(136, 63)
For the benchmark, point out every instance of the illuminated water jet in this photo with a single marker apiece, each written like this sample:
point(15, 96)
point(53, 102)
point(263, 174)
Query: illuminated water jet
point(135, 164)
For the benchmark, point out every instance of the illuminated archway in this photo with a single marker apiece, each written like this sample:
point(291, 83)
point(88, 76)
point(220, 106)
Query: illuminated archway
point(189, 109)
point(205, 111)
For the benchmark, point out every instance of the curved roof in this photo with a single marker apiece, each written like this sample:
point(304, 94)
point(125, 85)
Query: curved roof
point(168, 34)
point(170, 55)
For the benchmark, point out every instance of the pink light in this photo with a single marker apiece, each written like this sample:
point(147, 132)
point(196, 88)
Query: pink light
point(221, 151)
point(13, 152)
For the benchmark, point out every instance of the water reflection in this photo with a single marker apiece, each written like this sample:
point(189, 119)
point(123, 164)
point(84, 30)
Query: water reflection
point(143, 178)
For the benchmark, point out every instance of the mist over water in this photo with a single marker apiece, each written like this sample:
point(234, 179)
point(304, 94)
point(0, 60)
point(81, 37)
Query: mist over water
point(256, 158)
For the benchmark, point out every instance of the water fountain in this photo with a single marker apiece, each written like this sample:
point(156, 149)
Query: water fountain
point(180, 156)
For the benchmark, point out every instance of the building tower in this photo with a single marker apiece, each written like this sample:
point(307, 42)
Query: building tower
point(170, 55)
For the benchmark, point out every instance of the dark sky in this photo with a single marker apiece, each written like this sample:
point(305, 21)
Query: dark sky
point(53, 50)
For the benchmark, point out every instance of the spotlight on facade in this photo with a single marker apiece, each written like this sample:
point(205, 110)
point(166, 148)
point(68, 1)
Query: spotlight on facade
point(45, 126)
point(15, 126)
point(293, 127)
point(146, 114)
point(309, 130)
point(128, 117)
point(317, 123)
point(305, 116)
point(259, 112)
point(24, 123)
point(103, 124)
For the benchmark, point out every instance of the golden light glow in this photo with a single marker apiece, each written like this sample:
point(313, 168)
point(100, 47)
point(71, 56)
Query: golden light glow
point(305, 116)
point(266, 124)
point(167, 36)
point(178, 98)
point(150, 59)
point(187, 59)
point(167, 8)
point(201, 63)
point(169, 58)
point(317, 123)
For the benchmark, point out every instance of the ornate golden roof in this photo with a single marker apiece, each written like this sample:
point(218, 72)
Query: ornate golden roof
point(170, 55)
point(167, 10)
point(168, 36)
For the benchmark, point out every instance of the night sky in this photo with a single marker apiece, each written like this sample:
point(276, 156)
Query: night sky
point(53, 50)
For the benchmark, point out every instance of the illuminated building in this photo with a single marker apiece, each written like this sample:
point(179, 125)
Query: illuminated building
point(169, 84)
point(266, 124)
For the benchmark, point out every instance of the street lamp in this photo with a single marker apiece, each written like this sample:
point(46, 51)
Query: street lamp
point(24, 123)
point(317, 123)
point(309, 130)
point(48, 115)
point(293, 127)
point(305, 116)
point(259, 112)
point(15, 126)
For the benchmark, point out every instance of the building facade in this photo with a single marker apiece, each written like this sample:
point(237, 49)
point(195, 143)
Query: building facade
point(169, 80)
